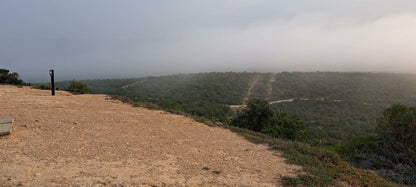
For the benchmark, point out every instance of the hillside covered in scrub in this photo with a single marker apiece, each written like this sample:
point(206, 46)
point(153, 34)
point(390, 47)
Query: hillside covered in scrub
point(334, 106)
point(259, 119)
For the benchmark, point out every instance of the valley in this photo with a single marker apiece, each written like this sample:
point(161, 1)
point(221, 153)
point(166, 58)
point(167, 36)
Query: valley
point(334, 106)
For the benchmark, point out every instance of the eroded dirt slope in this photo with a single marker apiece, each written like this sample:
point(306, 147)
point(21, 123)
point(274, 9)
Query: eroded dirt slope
point(88, 140)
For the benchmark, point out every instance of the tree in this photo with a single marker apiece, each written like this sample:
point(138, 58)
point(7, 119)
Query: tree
point(397, 125)
point(10, 78)
point(392, 152)
point(78, 87)
point(286, 126)
point(259, 117)
point(256, 116)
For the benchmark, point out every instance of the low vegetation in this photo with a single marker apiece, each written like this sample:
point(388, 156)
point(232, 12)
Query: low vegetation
point(260, 89)
point(205, 95)
point(335, 107)
point(259, 117)
point(41, 87)
point(320, 167)
point(325, 121)
point(391, 152)
point(77, 87)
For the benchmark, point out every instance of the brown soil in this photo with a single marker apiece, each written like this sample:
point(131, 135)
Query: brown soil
point(91, 140)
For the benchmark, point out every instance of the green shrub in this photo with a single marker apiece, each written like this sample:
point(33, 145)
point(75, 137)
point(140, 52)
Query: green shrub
point(259, 117)
point(285, 126)
point(256, 116)
point(78, 88)
point(398, 126)
point(376, 154)
point(369, 144)
point(392, 152)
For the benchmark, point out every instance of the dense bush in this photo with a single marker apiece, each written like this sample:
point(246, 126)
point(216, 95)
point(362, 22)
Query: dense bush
point(256, 116)
point(398, 126)
point(10, 78)
point(259, 117)
point(375, 154)
point(341, 106)
point(78, 88)
point(286, 126)
point(392, 152)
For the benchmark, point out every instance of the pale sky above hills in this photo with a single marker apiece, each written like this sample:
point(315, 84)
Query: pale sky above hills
point(118, 39)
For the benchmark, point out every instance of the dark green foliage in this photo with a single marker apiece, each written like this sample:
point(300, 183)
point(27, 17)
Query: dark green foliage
point(368, 144)
point(398, 125)
point(10, 78)
point(287, 127)
point(392, 152)
point(388, 160)
point(256, 116)
point(332, 121)
point(78, 87)
point(259, 117)
point(340, 106)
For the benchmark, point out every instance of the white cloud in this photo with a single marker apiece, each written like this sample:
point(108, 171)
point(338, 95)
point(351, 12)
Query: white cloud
point(307, 42)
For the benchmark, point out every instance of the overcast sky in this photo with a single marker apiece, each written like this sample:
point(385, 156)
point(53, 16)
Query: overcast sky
point(118, 39)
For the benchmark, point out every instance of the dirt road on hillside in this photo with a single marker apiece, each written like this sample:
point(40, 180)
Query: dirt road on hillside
point(272, 79)
point(253, 83)
point(90, 140)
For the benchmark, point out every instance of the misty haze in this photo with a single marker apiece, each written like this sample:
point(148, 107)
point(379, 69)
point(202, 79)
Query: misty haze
point(104, 39)
point(208, 93)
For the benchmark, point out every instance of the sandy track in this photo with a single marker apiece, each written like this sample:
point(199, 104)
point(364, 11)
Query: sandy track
point(90, 140)
point(272, 79)
point(253, 83)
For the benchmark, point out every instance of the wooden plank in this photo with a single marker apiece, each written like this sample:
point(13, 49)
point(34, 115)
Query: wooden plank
point(6, 125)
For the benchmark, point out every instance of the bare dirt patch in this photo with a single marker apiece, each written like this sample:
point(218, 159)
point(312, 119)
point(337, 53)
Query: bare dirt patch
point(88, 140)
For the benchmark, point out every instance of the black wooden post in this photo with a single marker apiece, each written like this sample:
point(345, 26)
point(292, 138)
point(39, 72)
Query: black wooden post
point(51, 73)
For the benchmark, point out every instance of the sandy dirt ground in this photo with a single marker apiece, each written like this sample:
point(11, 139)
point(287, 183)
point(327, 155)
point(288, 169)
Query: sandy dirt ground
point(91, 140)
